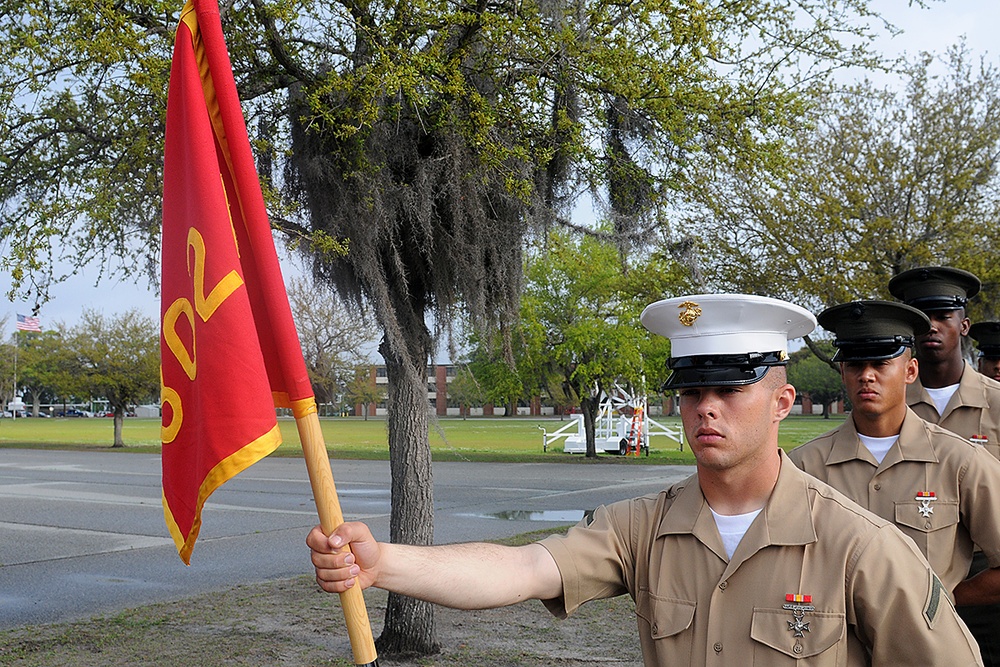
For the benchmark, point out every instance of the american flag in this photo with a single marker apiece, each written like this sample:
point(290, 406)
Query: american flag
point(28, 323)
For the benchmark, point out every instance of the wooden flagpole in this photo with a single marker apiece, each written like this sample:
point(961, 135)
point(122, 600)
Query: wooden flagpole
point(359, 628)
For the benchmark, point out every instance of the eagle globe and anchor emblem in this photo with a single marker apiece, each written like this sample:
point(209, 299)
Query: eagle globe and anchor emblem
point(691, 311)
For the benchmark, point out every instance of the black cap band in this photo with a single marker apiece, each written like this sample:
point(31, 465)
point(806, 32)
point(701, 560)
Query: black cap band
point(721, 370)
point(871, 350)
point(950, 302)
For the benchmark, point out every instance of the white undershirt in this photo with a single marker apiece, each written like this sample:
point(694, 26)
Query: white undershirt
point(941, 396)
point(732, 528)
point(879, 447)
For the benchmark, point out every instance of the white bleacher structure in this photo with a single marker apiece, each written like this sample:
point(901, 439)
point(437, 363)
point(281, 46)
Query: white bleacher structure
point(623, 427)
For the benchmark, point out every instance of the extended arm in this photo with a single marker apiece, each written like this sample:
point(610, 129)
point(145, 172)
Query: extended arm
point(464, 576)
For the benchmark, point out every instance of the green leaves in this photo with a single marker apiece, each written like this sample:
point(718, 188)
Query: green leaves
point(581, 310)
point(881, 181)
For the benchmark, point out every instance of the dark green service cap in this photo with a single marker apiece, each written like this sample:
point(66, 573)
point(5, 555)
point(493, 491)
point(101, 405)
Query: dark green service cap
point(987, 337)
point(873, 330)
point(935, 288)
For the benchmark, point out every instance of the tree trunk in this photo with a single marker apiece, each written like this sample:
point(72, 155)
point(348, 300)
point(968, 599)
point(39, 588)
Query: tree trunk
point(409, 623)
point(589, 406)
point(119, 421)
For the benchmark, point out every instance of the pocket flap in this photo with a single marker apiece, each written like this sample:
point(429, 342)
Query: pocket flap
point(775, 628)
point(666, 616)
point(942, 515)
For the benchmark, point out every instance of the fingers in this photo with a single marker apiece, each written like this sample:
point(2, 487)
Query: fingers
point(335, 573)
point(336, 566)
point(343, 536)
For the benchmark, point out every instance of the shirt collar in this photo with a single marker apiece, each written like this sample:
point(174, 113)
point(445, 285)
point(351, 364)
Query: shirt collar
point(914, 443)
point(971, 390)
point(787, 516)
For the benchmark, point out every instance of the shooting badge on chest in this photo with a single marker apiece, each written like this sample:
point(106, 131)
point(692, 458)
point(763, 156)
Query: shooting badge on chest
point(925, 498)
point(798, 604)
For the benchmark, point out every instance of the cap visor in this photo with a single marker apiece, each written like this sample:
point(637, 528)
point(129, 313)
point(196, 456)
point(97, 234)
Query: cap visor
point(846, 352)
point(718, 376)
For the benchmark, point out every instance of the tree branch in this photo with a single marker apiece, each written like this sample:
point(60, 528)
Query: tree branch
point(277, 46)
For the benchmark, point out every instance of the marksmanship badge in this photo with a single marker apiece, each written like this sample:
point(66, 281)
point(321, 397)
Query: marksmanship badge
point(692, 311)
point(925, 498)
point(798, 604)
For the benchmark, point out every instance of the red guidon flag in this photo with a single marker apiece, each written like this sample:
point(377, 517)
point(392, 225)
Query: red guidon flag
point(229, 350)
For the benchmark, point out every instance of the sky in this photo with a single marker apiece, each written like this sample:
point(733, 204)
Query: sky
point(933, 29)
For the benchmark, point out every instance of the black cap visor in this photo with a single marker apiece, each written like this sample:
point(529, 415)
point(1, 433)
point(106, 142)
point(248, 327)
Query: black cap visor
point(872, 350)
point(989, 352)
point(727, 370)
point(926, 303)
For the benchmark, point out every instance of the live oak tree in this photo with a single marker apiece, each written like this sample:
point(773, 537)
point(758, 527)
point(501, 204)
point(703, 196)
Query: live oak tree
point(465, 390)
point(47, 367)
point(119, 359)
point(363, 390)
point(428, 138)
point(500, 375)
point(885, 180)
point(579, 321)
point(816, 376)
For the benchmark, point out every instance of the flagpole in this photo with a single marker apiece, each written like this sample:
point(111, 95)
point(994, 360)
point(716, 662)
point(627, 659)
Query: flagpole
point(13, 399)
point(352, 600)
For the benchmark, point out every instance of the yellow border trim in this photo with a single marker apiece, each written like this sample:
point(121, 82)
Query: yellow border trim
point(300, 408)
point(223, 471)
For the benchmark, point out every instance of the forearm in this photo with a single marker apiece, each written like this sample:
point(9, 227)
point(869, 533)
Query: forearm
point(469, 576)
point(984, 588)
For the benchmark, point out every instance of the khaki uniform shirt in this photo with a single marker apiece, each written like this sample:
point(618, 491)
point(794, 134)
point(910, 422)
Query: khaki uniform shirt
point(874, 599)
point(964, 479)
point(974, 409)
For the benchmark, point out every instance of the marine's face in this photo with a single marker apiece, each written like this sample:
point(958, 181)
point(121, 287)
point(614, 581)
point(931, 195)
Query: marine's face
point(730, 426)
point(944, 339)
point(876, 387)
point(990, 368)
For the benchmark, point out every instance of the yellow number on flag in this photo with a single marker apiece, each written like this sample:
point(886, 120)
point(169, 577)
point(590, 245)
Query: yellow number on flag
point(170, 397)
point(206, 305)
point(187, 360)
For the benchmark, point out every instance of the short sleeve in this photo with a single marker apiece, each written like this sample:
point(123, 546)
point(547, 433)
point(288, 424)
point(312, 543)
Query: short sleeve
point(594, 558)
point(901, 609)
point(981, 489)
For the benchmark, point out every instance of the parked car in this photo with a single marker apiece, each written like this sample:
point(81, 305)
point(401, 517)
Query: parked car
point(73, 412)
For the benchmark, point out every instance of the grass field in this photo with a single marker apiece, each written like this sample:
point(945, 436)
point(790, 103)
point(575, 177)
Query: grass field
point(452, 439)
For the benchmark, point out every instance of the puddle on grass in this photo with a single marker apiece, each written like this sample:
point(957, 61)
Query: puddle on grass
point(571, 516)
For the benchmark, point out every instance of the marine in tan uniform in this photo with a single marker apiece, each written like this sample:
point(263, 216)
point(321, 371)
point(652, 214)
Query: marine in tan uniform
point(987, 337)
point(950, 393)
point(748, 562)
point(937, 488)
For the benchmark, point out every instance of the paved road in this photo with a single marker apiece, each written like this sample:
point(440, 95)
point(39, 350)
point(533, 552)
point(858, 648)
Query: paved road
point(82, 533)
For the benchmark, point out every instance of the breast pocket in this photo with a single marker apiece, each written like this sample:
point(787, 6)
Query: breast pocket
point(668, 621)
point(821, 644)
point(933, 531)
